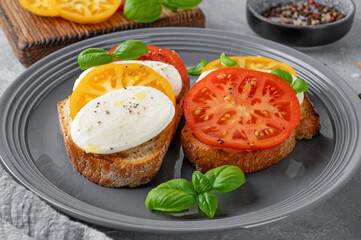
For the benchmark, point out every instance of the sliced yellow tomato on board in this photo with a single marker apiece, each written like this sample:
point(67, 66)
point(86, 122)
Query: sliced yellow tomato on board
point(252, 62)
point(110, 77)
point(40, 7)
point(87, 11)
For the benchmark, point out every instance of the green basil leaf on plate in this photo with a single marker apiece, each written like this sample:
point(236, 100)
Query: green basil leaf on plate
point(225, 178)
point(180, 4)
point(207, 202)
point(196, 70)
point(94, 57)
point(200, 183)
point(299, 86)
point(130, 49)
point(144, 11)
point(283, 74)
point(227, 61)
point(172, 196)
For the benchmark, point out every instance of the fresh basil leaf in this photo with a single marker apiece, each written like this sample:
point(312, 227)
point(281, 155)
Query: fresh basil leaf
point(180, 4)
point(94, 57)
point(207, 202)
point(179, 184)
point(144, 11)
point(283, 74)
point(169, 200)
point(172, 196)
point(196, 70)
point(130, 49)
point(227, 61)
point(225, 178)
point(299, 86)
point(200, 183)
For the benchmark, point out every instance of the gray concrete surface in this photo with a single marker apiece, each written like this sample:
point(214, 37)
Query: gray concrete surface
point(339, 217)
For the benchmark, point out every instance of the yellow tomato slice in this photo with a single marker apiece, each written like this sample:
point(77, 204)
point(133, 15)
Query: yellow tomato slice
point(110, 77)
point(40, 7)
point(87, 11)
point(252, 62)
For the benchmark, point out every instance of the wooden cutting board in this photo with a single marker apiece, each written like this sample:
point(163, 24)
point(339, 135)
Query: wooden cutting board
point(33, 37)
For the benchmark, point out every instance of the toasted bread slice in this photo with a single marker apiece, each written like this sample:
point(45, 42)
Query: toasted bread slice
point(205, 157)
point(133, 167)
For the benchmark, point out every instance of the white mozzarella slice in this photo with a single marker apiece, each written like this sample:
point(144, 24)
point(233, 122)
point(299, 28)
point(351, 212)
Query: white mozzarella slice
point(121, 119)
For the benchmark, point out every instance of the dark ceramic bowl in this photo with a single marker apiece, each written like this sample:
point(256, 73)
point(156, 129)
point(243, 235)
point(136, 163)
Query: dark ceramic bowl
point(300, 36)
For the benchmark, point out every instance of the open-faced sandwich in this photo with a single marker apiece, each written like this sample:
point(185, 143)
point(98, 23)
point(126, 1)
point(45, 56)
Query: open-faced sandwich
point(119, 120)
point(248, 115)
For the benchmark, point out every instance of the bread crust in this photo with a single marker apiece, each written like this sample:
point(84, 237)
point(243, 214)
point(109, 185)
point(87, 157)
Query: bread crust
point(134, 167)
point(205, 157)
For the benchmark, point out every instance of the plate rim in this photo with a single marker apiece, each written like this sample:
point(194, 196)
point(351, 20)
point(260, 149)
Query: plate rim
point(165, 229)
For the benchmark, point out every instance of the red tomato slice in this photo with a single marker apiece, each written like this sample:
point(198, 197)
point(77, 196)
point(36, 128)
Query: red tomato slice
point(166, 56)
point(241, 109)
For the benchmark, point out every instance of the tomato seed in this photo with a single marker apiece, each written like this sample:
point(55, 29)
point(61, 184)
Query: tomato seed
point(197, 111)
point(221, 76)
point(223, 133)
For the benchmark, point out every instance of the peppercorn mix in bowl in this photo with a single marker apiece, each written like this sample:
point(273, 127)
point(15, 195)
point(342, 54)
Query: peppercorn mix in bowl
point(301, 23)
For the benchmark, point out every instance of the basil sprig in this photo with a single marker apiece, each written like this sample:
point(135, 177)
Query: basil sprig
point(196, 70)
point(298, 86)
point(147, 11)
point(127, 50)
point(179, 194)
point(227, 61)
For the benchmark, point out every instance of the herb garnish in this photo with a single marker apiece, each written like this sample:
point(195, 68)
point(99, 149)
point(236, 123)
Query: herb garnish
point(147, 11)
point(227, 61)
point(196, 70)
point(179, 194)
point(127, 50)
point(298, 86)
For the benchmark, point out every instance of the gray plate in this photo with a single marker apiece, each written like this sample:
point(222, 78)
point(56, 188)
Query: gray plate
point(32, 148)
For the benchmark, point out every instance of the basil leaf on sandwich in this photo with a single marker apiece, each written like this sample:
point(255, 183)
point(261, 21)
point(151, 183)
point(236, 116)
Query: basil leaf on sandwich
point(196, 70)
point(283, 74)
point(127, 50)
point(94, 57)
point(144, 11)
point(130, 49)
point(298, 86)
point(227, 61)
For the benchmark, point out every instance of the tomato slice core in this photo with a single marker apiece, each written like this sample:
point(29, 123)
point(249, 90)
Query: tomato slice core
point(241, 109)
point(163, 55)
